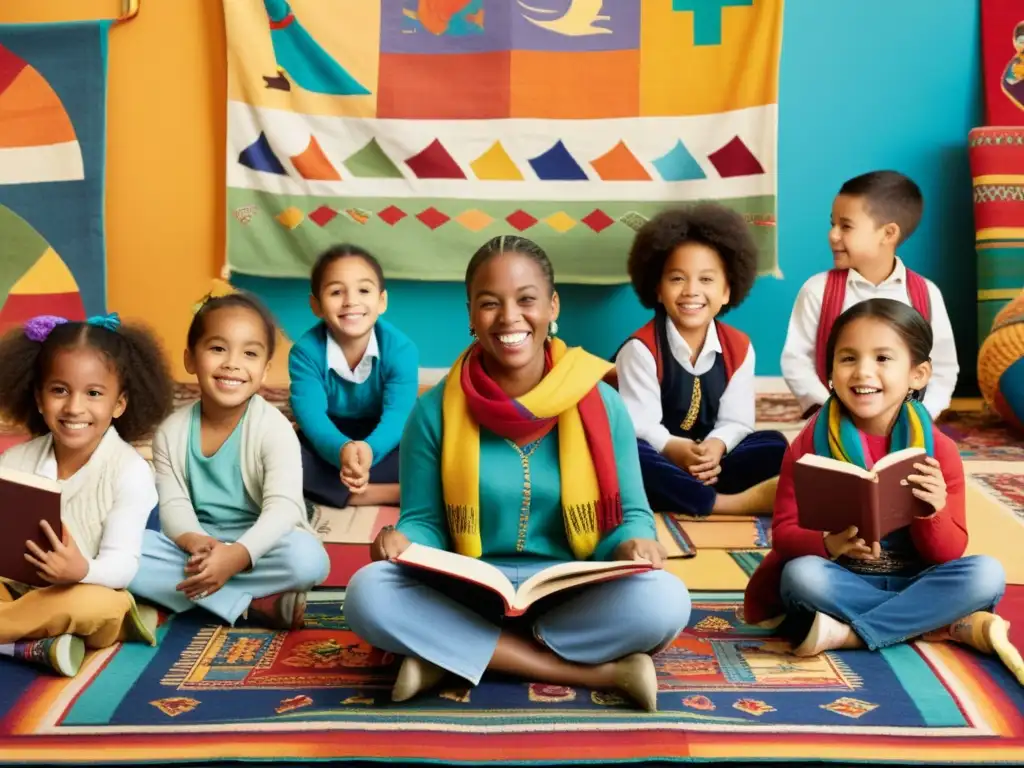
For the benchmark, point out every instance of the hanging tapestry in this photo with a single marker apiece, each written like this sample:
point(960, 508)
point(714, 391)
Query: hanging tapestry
point(53, 106)
point(421, 128)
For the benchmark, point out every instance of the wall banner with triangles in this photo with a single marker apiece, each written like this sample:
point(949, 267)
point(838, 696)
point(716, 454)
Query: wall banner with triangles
point(53, 106)
point(421, 128)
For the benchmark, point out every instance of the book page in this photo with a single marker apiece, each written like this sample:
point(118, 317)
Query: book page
point(813, 460)
point(896, 457)
point(29, 479)
point(459, 566)
point(567, 575)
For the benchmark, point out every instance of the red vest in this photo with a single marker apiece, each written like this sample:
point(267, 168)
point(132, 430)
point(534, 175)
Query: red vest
point(832, 307)
point(735, 344)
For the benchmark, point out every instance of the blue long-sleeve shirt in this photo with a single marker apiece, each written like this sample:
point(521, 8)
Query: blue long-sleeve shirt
point(322, 401)
point(501, 487)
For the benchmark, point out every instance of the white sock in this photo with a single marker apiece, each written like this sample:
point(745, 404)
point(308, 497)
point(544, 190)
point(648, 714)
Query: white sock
point(6, 649)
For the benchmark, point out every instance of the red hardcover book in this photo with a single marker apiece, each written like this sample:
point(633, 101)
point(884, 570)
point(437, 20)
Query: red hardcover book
point(833, 495)
point(25, 500)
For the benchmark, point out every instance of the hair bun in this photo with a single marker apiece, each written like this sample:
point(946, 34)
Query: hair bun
point(40, 326)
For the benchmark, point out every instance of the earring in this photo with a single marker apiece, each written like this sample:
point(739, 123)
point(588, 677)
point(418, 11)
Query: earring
point(472, 332)
point(910, 395)
point(553, 328)
point(830, 385)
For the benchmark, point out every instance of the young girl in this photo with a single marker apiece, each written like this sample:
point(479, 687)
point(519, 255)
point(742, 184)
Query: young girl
point(234, 534)
point(687, 378)
point(853, 593)
point(354, 381)
point(83, 389)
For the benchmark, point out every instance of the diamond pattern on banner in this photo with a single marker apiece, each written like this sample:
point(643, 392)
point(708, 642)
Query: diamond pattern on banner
point(598, 220)
point(560, 222)
point(432, 217)
point(290, 217)
point(392, 215)
point(474, 220)
point(521, 220)
point(322, 215)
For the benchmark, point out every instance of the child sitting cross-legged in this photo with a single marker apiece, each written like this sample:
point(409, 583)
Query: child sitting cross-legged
point(686, 377)
point(354, 382)
point(840, 591)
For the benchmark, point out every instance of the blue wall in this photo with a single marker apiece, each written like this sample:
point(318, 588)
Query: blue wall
point(865, 85)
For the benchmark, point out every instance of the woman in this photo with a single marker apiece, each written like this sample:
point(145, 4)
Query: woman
point(471, 446)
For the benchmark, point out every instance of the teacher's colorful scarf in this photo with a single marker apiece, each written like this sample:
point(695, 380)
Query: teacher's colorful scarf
point(568, 397)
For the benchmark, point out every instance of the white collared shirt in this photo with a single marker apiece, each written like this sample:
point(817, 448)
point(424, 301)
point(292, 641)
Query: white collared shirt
point(336, 359)
point(641, 391)
point(798, 356)
point(117, 561)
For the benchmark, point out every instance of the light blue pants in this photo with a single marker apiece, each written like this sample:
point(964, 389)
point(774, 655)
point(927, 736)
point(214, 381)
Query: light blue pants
point(295, 564)
point(399, 610)
point(886, 610)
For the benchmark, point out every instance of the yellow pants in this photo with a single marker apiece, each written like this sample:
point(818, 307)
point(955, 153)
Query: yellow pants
point(94, 613)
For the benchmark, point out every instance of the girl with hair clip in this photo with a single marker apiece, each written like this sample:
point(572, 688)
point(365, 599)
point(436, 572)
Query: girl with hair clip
point(83, 389)
point(838, 590)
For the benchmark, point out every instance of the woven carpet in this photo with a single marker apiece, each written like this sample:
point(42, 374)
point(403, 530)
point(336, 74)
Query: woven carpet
point(728, 691)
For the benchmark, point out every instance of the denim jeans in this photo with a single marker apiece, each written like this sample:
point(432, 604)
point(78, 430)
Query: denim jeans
point(885, 610)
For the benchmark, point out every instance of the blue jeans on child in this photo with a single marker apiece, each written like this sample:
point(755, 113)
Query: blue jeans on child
point(411, 613)
point(297, 563)
point(885, 610)
point(757, 458)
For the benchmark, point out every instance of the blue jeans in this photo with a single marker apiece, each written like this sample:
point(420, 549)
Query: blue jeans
point(298, 562)
point(757, 458)
point(885, 610)
point(414, 614)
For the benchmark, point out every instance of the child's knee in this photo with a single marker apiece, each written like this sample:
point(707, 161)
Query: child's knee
point(986, 579)
point(307, 560)
point(805, 580)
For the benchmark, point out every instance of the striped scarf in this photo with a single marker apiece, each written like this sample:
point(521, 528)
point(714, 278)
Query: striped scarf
point(836, 437)
point(568, 397)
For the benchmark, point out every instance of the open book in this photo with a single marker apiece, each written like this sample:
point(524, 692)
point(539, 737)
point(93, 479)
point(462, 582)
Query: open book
point(25, 500)
point(833, 495)
point(547, 582)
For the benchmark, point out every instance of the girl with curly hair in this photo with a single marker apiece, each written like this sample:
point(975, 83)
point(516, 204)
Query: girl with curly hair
point(85, 390)
point(686, 377)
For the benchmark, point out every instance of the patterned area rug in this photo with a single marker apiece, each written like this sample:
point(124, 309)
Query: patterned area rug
point(727, 691)
point(1007, 488)
point(980, 436)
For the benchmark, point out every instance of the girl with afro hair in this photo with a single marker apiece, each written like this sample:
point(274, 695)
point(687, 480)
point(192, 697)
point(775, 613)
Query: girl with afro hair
point(686, 377)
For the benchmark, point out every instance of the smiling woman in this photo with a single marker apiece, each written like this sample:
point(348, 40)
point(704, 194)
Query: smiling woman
point(524, 458)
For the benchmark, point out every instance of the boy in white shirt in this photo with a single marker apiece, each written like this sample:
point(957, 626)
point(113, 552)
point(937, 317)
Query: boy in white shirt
point(871, 216)
point(686, 377)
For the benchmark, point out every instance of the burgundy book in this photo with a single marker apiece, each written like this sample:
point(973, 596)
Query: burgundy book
point(833, 495)
point(25, 500)
point(547, 582)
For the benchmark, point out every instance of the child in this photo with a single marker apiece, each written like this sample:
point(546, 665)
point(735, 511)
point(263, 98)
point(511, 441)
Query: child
point(354, 381)
point(872, 215)
point(854, 593)
point(82, 389)
point(234, 538)
point(687, 378)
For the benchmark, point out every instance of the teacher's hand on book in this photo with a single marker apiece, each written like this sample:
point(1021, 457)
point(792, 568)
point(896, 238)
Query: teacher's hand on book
point(848, 544)
point(641, 549)
point(389, 544)
point(63, 564)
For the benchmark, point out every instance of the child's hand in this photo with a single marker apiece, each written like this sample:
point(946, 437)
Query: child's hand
point(389, 544)
point(63, 564)
point(356, 458)
point(847, 543)
point(194, 543)
point(642, 549)
point(933, 484)
point(710, 454)
point(681, 452)
point(216, 567)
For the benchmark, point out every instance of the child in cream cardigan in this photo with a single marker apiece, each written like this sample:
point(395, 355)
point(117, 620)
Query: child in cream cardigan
point(234, 538)
point(83, 389)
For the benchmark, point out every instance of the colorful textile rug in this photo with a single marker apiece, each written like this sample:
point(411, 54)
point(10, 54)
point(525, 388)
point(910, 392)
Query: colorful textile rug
point(404, 123)
point(748, 559)
point(981, 436)
point(53, 107)
point(1007, 488)
point(727, 691)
